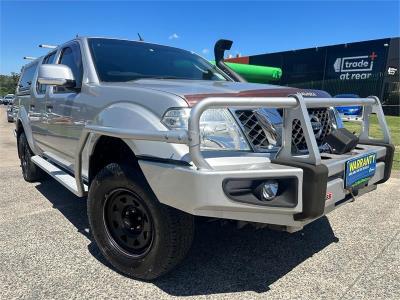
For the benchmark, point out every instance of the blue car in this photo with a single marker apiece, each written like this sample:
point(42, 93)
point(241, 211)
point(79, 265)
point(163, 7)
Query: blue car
point(349, 112)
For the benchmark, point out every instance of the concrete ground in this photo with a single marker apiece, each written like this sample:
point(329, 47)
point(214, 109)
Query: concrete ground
point(47, 252)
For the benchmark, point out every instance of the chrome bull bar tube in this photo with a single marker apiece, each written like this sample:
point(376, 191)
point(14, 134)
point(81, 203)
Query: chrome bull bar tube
point(175, 137)
point(371, 105)
point(225, 102)
point(295, 107)
point(326, 102)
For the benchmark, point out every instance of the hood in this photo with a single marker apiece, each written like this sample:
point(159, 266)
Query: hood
point(194, 91)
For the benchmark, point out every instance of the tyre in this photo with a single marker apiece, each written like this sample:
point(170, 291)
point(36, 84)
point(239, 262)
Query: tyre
point(30, 171)
point(138, 235)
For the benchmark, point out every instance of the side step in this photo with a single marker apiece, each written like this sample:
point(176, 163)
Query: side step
point(61, 176)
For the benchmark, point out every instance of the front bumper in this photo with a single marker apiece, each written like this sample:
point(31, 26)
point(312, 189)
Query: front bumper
point(200, 192)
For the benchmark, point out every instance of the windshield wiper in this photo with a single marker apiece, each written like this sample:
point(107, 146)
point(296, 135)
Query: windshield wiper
point(157, 77)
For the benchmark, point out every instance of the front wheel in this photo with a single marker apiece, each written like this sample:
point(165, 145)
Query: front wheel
point(138, 235)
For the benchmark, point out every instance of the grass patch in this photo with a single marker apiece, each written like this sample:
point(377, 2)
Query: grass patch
point(375, 132)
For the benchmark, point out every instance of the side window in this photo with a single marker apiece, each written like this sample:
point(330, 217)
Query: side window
point(71, 57)
point(49, 59)
point(26, 78)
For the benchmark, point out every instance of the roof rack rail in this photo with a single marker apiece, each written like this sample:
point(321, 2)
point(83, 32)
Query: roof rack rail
point(47, 46)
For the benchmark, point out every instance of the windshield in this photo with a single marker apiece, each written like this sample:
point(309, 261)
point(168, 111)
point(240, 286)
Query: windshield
point(119, 60)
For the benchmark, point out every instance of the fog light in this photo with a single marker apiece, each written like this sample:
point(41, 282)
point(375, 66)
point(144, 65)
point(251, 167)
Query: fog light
point(269, 189)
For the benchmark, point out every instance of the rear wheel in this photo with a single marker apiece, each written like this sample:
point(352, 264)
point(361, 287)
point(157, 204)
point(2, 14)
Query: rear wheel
point(138, 235)
point(30, 171)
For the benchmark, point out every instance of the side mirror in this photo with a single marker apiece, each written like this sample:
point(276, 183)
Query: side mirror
point(58, 75)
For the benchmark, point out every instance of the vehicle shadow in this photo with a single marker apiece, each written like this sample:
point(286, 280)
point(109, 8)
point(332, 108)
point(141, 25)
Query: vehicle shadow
point(227, 260)
point(71, 206)
point(223, 259)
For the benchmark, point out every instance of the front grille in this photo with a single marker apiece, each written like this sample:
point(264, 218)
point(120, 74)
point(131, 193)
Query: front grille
point(298, 139)
point(321, 124)
point(319, 117)
point(252, 128)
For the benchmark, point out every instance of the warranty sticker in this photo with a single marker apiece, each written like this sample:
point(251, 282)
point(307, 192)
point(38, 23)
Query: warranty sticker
point(359, 170)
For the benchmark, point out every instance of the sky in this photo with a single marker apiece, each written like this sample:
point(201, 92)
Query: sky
point(255, 27)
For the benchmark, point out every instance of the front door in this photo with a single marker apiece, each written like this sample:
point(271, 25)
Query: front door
point(64, 126)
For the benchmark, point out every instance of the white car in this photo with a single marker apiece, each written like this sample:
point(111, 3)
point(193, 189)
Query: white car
point(8, 99)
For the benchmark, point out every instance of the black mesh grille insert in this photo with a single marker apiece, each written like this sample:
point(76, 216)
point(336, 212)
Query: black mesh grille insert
point(321, 124)
point(252, 128)
point(320, 120)
point(298, 138)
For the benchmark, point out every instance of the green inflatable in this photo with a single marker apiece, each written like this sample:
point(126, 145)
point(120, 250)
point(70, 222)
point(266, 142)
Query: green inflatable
point(253, 73)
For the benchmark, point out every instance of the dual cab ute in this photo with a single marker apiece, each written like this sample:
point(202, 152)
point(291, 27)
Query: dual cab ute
point(155, 135)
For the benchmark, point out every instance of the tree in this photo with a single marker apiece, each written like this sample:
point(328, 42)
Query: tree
point(8, 83)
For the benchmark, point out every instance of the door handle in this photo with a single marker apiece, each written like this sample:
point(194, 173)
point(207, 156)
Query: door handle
point(32, 107)
point(49, 108)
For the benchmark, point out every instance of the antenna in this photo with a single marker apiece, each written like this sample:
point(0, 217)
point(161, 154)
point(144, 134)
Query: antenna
point(29, 57)
point(47, 46)
point(140, 37)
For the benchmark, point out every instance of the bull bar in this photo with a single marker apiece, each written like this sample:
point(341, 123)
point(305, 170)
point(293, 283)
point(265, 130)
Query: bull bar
point(294, 107)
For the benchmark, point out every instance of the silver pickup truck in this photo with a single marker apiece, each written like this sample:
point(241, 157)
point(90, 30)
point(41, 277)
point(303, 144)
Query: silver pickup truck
point(155, 135)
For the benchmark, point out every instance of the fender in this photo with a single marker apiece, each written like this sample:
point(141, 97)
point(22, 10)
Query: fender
point(131, 115)
point(23, 119)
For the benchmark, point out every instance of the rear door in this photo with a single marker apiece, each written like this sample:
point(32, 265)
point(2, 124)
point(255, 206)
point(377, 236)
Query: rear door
point(38, 107)
point(24, 92)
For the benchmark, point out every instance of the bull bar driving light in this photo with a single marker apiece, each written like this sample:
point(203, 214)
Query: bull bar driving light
point(269, 189)
point(275, 192)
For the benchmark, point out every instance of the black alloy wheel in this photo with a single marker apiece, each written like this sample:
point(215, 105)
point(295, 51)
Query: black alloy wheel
point(25, 159)
point(30, 171)
point(138, 235)
point(128, 222)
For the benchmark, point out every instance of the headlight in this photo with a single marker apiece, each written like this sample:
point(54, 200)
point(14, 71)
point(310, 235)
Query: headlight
point(218, 129)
